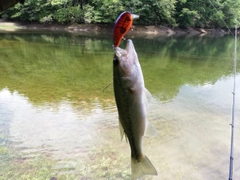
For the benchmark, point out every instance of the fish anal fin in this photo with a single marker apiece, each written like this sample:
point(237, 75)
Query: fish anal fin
point(144, 167)
point(122, 130)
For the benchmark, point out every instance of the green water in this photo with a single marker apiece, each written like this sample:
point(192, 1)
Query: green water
point(56, 120)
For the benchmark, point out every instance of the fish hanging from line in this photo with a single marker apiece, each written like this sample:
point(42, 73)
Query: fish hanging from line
point(122, 26)
point(131, 98)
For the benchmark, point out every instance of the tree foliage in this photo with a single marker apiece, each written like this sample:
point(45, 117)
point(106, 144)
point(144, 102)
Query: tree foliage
point(183, 13)
point(207, 13)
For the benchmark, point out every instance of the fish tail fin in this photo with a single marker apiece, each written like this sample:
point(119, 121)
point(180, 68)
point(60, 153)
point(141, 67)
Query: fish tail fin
point(144, 167)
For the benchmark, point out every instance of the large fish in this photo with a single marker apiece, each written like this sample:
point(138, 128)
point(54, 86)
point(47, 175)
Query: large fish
point(131, 99)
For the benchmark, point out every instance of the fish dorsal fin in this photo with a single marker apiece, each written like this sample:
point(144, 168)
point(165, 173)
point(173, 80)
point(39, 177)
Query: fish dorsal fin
point(150, 131)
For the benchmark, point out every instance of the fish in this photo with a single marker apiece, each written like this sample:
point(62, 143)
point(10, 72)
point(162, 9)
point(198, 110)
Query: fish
point(132, 98)
point(122, 26)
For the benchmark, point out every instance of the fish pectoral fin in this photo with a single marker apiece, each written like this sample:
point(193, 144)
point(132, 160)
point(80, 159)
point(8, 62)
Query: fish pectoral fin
point(150, 131)
point(146, 97)
point(144, 167)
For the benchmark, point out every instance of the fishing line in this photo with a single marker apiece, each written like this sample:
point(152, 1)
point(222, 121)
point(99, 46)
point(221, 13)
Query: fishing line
point(107, 86)
point(221, 18)
point(132, 6)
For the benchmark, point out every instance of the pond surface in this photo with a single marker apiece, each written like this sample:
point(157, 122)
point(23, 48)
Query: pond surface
point(56, 120)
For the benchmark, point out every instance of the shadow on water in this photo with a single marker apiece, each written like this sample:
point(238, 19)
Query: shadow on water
point(56, 121)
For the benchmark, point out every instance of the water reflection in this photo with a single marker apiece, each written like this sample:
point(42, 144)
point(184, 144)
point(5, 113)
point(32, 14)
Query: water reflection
point(71, 65)
point(55, 119)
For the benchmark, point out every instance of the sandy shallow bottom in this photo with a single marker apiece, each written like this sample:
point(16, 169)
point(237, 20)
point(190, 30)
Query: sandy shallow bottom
point(193, 140)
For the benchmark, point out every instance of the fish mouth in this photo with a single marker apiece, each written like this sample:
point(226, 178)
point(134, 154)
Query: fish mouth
point(121, 54)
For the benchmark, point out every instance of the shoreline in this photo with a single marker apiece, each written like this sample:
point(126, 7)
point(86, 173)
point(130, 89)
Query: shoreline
point(7, 26)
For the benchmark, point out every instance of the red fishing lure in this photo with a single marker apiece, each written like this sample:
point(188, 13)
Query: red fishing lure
point(122, 26)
